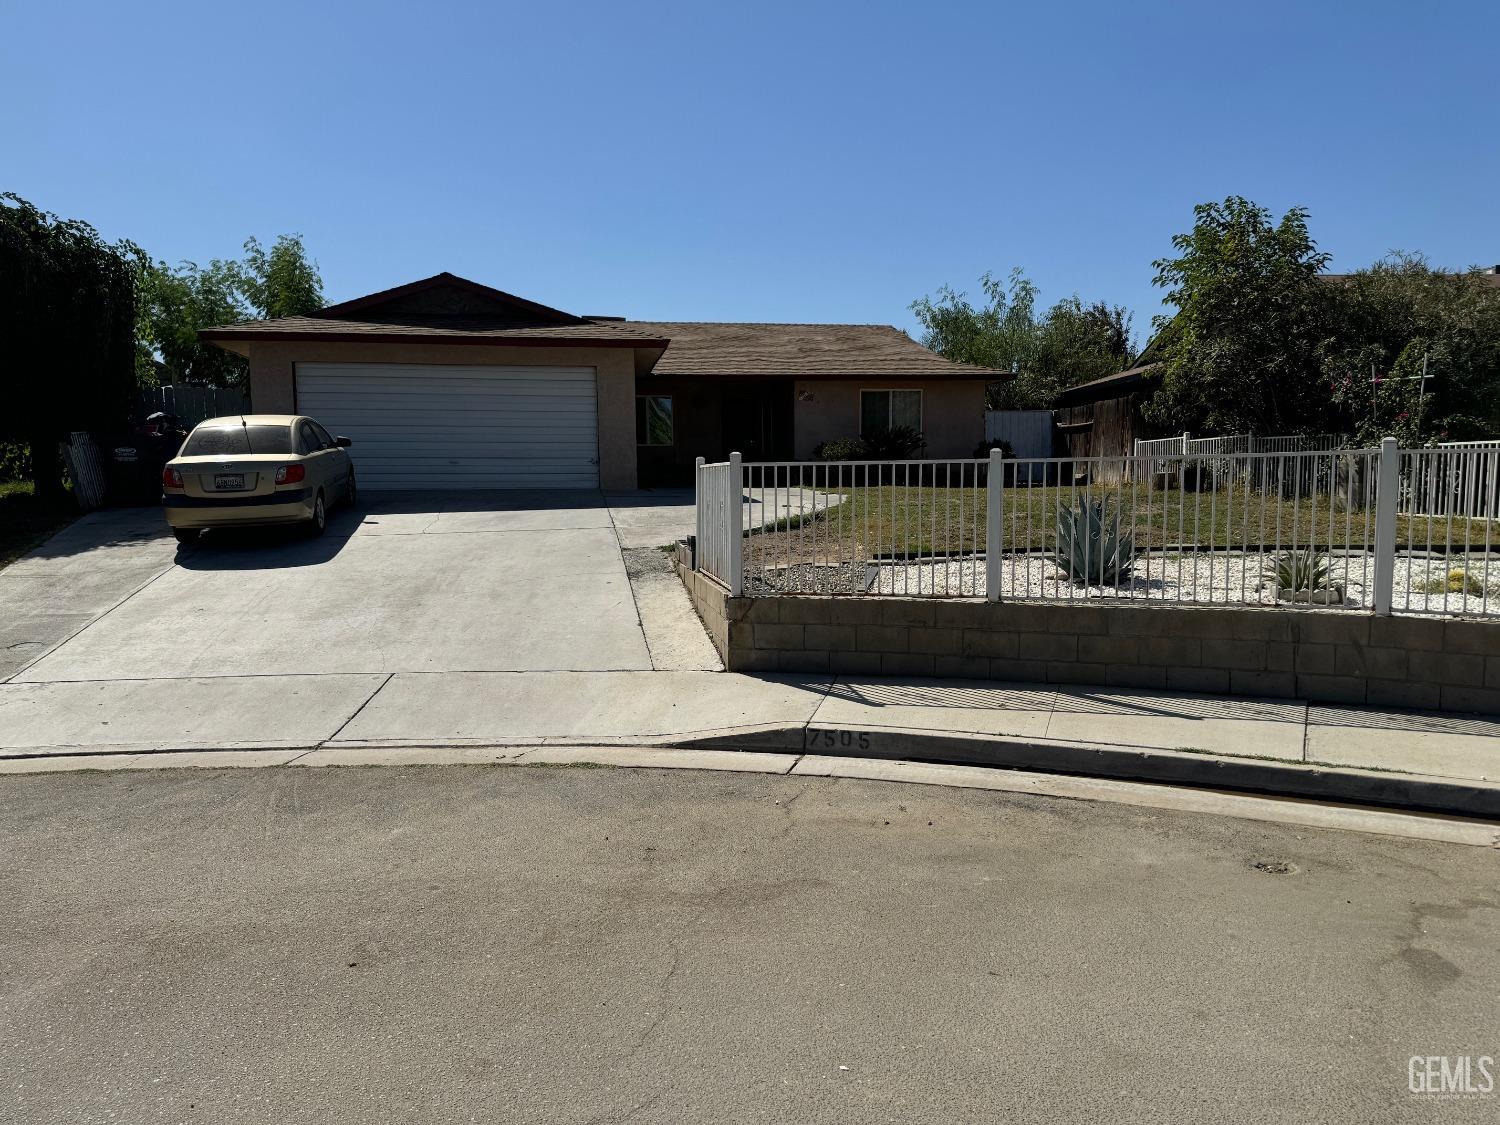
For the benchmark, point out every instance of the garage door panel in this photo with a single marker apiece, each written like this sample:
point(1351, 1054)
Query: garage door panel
point(453, 426)
point(376, 397)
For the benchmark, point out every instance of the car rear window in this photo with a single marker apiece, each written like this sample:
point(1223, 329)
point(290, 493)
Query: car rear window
point(214, 441)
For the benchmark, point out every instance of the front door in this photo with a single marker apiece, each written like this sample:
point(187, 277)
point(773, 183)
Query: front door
point(758, 421)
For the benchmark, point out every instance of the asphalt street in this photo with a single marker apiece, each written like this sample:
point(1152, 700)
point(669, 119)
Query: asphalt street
point(591, 945)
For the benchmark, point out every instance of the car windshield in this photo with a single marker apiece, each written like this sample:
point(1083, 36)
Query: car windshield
point(212, 441)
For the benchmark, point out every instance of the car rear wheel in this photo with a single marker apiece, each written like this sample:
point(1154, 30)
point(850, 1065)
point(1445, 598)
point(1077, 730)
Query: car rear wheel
point(319, 521)
point(186, 535)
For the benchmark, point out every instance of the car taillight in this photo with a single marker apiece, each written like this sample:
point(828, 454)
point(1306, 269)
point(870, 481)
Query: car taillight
point(171, 478)
point(290, 474)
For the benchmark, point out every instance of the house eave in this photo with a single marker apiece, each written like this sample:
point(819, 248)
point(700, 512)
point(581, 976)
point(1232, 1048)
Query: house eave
point(227, 337)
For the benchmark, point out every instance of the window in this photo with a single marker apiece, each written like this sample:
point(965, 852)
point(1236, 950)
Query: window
point(309, 436)
point(653, 419)
point(226, 441)
point(885, 410)
point(321, 434)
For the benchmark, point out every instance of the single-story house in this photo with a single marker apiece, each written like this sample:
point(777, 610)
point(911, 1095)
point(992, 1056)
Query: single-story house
point(446, 383)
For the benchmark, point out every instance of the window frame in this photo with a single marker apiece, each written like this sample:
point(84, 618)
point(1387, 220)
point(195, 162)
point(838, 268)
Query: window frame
point(889, 404)
point(643, 423)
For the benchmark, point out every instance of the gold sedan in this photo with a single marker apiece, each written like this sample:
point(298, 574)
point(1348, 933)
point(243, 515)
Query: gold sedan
point(253, 469)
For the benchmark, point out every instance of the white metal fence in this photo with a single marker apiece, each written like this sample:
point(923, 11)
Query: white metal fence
point(1454, 478)
point(1328, 528)
point(1185, 444)
point(721, 520)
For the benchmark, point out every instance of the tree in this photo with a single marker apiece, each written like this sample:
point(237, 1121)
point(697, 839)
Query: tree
point(280, 281)
point(176, 303)
point(67, 315)
point(172, 306)
point(1071, 343)
point(1078, 342)
point(1242, 353)
point(1429, 340)
point(1001, 333)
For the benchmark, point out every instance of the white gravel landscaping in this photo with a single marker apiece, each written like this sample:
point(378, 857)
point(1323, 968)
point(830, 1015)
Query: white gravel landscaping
point(1193, 578)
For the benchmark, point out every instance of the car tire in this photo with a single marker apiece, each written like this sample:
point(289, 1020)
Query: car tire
point(186, 535)
point(351, 491)
point(319, 522)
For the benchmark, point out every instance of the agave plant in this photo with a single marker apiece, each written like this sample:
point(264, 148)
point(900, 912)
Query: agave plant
point(1299, 572)
point(1092, 549)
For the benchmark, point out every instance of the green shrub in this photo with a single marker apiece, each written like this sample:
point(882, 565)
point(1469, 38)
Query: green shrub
point(895, 443)
point(15, 461)
point(842, 449)
point(982, 450)
point(1092, 549)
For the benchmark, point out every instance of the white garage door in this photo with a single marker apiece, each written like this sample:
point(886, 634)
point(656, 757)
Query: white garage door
point(445, 426)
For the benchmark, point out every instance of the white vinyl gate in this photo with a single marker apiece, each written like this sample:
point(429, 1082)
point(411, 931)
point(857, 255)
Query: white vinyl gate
point(452, 426)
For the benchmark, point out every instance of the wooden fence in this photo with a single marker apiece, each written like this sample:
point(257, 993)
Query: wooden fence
point(191, 404)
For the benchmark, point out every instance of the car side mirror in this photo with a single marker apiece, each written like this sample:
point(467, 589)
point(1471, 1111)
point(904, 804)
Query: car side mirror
point(342, 442)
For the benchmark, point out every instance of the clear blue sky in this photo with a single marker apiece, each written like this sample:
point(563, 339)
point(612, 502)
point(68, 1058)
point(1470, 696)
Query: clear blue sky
point(754, 161)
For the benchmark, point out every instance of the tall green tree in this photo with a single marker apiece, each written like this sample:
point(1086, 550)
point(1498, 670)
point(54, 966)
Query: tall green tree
point(1070, 343)
point(173, 305)
point(1415, 353)
point(1243, 351)
point(178, 301)
point(1078, 342)
point(281, 281)
point(67, 316)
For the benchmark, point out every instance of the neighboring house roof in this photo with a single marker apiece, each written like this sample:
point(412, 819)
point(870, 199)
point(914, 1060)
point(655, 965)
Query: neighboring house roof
point(1109, 386)
point(449, 309)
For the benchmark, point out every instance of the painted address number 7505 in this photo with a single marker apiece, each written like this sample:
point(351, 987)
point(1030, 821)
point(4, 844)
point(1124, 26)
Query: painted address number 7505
point(838, 740)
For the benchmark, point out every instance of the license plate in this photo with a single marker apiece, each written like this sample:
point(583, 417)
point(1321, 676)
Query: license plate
point(229, 482)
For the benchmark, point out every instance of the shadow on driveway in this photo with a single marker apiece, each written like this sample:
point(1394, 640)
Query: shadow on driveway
point(270, 547)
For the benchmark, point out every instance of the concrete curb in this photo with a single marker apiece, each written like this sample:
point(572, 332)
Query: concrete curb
point(1224, 773)
point(1132, 763)
point(1304, 812)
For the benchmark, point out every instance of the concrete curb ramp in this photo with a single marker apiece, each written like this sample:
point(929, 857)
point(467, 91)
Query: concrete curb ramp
point(1176, 767)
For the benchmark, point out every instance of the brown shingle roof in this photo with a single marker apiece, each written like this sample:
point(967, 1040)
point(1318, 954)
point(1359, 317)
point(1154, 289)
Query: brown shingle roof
point(716, 348)
point(449, 309)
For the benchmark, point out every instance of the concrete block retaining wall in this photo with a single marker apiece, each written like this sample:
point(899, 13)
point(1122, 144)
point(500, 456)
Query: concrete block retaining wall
point(1323, 656)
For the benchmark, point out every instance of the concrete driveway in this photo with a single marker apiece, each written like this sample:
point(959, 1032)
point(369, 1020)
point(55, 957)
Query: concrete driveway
point(404, 584)
point(270, 637)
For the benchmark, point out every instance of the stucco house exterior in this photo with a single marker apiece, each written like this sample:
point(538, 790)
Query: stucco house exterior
point(446, 383)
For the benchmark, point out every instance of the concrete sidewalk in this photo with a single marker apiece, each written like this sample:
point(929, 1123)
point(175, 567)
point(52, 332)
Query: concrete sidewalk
point(1396, 757)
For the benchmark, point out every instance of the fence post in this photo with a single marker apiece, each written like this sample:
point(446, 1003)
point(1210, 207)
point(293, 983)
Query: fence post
point(1387, 487)
point(697, 510)
point(1187, 436)
point(994, 510)
point(736, 519)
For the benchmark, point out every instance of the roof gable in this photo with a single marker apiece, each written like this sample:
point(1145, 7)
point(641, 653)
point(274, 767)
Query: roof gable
point(446, 298)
